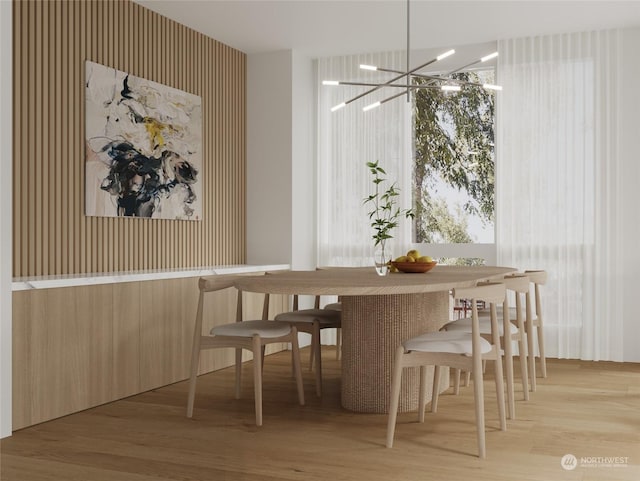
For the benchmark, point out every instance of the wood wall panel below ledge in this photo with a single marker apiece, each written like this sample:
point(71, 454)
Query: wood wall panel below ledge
point(79, 347)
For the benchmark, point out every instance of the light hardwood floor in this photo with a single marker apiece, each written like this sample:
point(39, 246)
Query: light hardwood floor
point(583, 408)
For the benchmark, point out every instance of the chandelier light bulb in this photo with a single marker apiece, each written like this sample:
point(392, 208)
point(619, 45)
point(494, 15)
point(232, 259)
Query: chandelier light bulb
point(489, 57)
point(371, 106)
point(450, 88)
point(330, 82)
point(368, 67)
point(492, 87)
point(448, 53)
point(338, 107)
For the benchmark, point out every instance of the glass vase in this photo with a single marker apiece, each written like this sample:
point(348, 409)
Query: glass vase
point(381, 260)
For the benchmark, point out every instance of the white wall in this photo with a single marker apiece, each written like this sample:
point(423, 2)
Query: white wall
point(629, 125)
point(303, 165)
point(281, 160)
point(5, 216)
point(269, 151)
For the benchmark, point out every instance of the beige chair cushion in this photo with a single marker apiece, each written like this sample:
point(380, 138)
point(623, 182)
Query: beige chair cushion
point(265, 329)
point(512, 313)
point(334, 306)
point(456, 342)
point(323, 316)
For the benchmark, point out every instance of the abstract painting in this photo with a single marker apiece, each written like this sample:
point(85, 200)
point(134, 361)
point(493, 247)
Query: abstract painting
point(143, 147)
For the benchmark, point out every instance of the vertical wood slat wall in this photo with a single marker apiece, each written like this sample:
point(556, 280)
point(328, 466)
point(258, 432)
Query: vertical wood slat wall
point(51, 234)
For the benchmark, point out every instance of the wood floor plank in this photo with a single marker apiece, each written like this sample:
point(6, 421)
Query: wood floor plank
point(583, 408)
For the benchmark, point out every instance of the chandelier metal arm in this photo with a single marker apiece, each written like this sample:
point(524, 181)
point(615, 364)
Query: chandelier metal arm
point(404, 86)
point(446, 77)
point(416, 75)
point(389, 82)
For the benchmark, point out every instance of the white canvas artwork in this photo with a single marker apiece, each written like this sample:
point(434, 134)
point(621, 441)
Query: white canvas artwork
point(143, 147)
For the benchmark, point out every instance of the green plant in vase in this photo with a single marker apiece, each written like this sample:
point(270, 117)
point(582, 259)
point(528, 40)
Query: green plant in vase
point(384, 215)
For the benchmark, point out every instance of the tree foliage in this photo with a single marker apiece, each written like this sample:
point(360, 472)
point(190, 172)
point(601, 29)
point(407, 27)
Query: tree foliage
point(448, 126)
point(440, 226)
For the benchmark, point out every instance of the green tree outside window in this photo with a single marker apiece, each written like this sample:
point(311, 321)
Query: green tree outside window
point(454, 146)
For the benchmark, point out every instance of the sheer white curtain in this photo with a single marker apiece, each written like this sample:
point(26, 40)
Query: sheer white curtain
point(558, 173)
point(347, 140)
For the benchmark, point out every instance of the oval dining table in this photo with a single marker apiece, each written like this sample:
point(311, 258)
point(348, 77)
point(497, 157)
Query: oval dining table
point(378, 314)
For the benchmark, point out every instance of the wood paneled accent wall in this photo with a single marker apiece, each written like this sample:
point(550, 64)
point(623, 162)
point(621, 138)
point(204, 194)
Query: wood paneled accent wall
point(51, 235)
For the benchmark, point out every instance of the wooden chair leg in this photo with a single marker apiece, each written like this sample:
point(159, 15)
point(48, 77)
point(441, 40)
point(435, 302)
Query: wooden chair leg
point(238, 387)
point(524, 370)
point(257, 377)
point(195, 360)
point(467, 378)
point(297, 367)
point(543, 359)
point(293, 372)
point(315, 342)
point(395, 395)
point(456, 381)
point(312, 353)
point(532, 355)
point(196, 345)
point(435, 392)
point(478, 394)
point(500, 392)
point(422, 397)
point(508, 360)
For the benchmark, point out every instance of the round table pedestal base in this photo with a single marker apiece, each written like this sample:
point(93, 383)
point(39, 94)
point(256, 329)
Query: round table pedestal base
point(372, 329)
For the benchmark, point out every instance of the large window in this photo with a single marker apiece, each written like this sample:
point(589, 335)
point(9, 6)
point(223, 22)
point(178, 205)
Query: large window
point(453, 189)
point(439, 150)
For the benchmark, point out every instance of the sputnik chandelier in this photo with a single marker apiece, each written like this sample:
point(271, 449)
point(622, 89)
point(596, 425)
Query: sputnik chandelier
point(406, 81)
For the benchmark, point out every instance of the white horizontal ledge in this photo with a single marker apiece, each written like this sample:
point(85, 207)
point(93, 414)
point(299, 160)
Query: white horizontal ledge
point(75, 280)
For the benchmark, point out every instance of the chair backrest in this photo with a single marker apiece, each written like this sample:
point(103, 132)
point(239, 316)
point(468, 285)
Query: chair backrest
point(214, 284)
point(537, 277)
point(491, 292)
point(517, 283)
point(217, 283)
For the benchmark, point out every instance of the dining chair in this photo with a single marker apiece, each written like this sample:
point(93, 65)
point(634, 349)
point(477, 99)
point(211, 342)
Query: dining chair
point(312, 321)
point(252, 335)
point(457, 349)
point(538, 278)
point(336, 306)
point(514, 323)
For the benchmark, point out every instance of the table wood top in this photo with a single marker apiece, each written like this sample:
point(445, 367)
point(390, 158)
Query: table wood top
point(364, 281)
